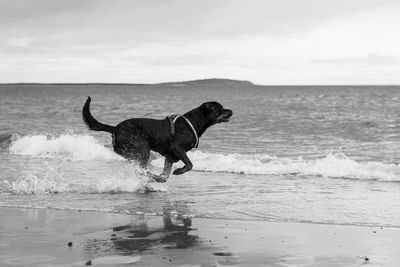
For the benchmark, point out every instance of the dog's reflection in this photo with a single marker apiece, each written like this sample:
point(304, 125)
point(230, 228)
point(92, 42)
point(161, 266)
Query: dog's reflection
point(146, 234)
point(143, 236)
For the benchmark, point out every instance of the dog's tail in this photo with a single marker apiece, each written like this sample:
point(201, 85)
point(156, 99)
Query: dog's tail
point(91, 122)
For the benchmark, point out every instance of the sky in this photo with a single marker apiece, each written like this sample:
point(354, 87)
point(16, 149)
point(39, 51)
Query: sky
point(269, 42)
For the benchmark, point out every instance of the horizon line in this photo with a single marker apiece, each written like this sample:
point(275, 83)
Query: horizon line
point(171, 83)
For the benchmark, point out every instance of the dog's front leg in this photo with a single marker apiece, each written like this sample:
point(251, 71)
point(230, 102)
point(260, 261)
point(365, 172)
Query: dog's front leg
point(181, 154)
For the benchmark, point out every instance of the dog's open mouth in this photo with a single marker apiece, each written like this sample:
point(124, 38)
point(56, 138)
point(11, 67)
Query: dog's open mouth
point(225, 117)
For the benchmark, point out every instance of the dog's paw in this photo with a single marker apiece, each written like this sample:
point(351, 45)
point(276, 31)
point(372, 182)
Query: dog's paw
point(158, 178)
point(179, 171)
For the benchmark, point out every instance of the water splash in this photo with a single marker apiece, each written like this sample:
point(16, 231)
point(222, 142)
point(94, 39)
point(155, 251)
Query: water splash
point(53, 180)
point(66, 146)
point(30, 183)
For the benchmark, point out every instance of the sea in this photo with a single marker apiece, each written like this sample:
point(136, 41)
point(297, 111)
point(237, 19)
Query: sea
point(311, 154)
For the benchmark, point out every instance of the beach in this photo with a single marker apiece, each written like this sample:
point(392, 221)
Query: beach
point(301, 176)
point(47, 237)
point(199, 133)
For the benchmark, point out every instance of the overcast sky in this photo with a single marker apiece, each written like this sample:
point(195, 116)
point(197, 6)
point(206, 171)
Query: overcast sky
point(148, 41)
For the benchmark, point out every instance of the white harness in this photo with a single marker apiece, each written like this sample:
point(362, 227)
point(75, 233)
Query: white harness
point(173, 119)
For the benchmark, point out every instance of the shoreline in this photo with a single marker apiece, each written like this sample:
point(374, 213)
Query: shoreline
point(41, 237)
point(193, 217)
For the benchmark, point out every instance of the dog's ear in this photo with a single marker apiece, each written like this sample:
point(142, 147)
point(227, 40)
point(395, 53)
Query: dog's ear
point(209, 106)
point(212, 106)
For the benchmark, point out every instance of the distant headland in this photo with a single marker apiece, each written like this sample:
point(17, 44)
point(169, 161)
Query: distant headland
point(210, 82)
point(201, 82)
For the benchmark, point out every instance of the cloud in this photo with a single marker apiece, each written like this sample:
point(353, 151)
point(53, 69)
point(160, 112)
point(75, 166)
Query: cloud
point(12, 12)
point(171, 20)
point(277, 42)
point(370, 59)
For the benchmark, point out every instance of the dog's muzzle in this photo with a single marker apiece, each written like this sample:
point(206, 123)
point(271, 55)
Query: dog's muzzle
point(225, 116)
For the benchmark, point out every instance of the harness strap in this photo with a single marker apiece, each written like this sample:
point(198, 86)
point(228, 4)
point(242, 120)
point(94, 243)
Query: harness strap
point(171, 123)
point(172, 120)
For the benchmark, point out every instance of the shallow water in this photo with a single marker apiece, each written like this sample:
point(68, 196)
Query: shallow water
point(312, 154)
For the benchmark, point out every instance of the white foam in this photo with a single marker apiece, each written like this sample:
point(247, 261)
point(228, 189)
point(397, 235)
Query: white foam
point(49, 179)
point(130, 178)
point(66, 146)
point(335, 165)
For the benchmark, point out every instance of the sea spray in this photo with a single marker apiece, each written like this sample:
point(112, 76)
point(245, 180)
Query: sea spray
point(130, 178)
point(66, 146)
point(54, 178)
point(51, 180)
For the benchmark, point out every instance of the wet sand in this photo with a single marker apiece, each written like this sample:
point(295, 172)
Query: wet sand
point(33, 237)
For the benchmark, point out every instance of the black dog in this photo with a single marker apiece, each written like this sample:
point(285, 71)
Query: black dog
point(134, 138)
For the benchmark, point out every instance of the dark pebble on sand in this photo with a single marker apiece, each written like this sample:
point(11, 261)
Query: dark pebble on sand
point(374, 232)
point(88, 262)
point(364, 258)
point(223, 254)
point(69, 244)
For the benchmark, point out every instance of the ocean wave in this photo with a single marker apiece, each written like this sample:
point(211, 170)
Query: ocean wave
point(76, 147)
point(65, 146)
point(334, 165)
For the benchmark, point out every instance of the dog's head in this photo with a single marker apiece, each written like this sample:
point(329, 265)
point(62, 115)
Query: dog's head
point(215, 112)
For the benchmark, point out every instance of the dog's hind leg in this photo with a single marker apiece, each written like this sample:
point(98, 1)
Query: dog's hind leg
point(141, 156)
point(138, 152)
point(162, 178)
point(167, 168)
point(142, 159)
